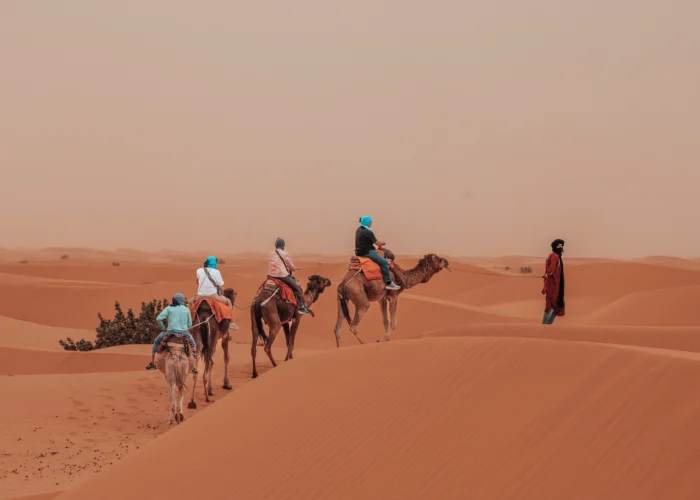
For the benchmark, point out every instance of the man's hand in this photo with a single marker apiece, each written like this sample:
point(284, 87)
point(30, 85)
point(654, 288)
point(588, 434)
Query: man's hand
point(380, 244)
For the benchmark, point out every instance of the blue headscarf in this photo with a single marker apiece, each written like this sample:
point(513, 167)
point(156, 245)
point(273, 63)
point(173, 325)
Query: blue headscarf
point(210, 262)
point(365, 221)
point(178, 299)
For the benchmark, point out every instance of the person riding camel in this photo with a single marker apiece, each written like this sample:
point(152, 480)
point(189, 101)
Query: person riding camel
point(364, 247)
point(209, 282)
point(281, 267)
point(179, 322)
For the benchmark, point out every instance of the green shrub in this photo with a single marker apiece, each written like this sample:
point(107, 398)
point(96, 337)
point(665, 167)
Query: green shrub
point(123, 329)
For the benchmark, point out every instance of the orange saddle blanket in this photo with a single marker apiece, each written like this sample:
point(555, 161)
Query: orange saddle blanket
point(286, 292)
point(221, 311)
point(370, 269)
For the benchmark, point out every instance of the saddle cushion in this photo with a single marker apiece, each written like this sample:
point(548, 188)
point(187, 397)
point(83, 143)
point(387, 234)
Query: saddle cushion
point(221, 311)
point(285, 291)
point(369, 268)
point(175, 340)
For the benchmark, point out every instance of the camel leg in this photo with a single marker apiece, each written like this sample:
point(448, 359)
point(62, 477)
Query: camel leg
point(275, 327)
point(254, 343)
point(210, 368)
point(181, 398)
point(173, 415)
point(227, 383)
point(292, 337)
point(285, 327)
point(339, 323)
point(192, 405)
point(205, 377)
point(393, 302)
point(383, 304)
point(360, 310)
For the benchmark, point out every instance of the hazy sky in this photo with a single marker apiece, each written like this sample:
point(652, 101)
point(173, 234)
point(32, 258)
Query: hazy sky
point(468, 128)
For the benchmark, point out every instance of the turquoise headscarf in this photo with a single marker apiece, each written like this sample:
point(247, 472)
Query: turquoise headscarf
point(365, 221)
point(210, 262)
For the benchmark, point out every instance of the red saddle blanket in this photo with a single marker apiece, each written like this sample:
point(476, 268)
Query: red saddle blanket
point(286, 292)
point(369, 268)
point(221, 311)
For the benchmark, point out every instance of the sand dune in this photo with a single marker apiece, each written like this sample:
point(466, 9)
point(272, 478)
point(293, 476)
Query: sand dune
point(75, 422)
point(667, 307)
point(512, 415)
point(439, 418)
point(676, 338)
point(27, 335)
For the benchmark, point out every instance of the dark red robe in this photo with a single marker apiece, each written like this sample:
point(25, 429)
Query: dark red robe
point(553, 285)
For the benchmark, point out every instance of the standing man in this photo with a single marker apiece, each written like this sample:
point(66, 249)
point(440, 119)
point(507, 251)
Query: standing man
point(553, 288)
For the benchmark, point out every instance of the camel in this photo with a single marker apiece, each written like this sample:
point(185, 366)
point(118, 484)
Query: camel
point(277, 313)
point(355, 287)
point(173, 364)
point(206, 332)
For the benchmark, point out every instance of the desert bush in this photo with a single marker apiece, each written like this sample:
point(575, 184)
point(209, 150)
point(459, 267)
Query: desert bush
point(24, 262)
point(507, 268)
point(64, 257)
point(526, 269)
point(123, 329)
point(221, 261)
point(81, 345)
point(115, 263)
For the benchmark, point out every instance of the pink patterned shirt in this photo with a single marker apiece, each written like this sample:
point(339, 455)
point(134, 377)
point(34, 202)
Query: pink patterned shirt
point(276, 269)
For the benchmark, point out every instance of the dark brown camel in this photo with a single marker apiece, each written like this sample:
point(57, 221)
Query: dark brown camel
point(362, 292)
point(207, 332)
point(277, 314)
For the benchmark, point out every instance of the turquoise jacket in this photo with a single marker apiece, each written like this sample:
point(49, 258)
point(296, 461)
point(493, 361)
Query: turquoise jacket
point(179, 318)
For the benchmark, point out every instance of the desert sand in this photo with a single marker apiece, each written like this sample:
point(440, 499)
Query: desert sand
point(472, 397)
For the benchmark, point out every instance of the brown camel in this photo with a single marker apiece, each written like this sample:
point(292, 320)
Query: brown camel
point(206, 332)
point(362, 292)
point(277, 313)
point(173, 363)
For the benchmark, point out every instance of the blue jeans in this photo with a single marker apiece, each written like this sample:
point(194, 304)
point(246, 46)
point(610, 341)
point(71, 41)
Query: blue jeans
point(549, 317)
point(162, 335)
point(383, 264)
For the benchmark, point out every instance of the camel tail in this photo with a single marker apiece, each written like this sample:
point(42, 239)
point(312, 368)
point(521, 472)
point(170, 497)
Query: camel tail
point(177, 373)
point(258, 321)
point(204, 334)
point(344, 304)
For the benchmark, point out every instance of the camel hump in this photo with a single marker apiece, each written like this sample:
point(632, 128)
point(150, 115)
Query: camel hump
point(174, 339)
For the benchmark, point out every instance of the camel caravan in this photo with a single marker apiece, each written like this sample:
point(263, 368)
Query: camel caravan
point(193, 332)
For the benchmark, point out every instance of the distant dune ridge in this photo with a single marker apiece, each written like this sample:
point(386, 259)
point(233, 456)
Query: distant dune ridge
point(473, 397)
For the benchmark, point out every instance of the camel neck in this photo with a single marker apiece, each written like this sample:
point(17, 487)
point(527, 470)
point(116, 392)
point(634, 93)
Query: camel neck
point(414, 276)
point(309, 297)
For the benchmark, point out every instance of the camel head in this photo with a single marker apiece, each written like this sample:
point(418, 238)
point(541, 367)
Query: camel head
point(230, 294)
point(317, 284)
point(435, 263)
point(389, 255)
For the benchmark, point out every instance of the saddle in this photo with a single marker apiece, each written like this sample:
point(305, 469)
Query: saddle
point(175, 340)
point(369, 268)
point(285, 291)
point(221, 311)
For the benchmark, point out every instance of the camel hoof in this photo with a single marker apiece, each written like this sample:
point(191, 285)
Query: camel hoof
point(227, 387)
point(182, 417)
point(255, 374)
point(211, 393)
point(192, 405)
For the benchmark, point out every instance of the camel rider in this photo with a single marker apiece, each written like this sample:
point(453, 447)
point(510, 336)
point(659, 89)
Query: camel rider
point(364, 247)
point(179, 320)
point(209, 280)
point(281, 267)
